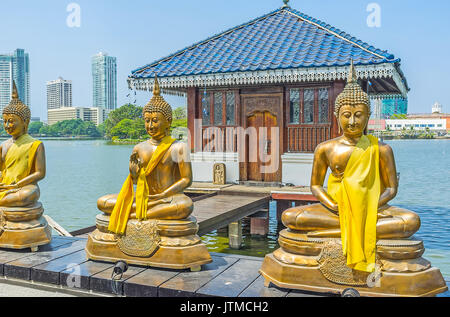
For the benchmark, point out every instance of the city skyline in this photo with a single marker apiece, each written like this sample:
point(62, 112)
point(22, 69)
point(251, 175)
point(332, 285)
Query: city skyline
point(143, 36)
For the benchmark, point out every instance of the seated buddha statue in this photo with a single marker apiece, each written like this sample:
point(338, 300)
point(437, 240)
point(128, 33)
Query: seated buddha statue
point(160, 169)
point(22, 165)
point(363, 180)
point(352, 232)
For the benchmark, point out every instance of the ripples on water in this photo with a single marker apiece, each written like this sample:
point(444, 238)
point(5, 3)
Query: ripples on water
point(78, 172)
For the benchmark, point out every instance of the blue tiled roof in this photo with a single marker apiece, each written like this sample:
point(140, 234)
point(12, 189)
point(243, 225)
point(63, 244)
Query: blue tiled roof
point(284, 38)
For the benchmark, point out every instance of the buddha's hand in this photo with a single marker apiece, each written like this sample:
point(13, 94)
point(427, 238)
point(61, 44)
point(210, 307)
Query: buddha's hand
point(334, 208)
point(4, 187)
point(135, 164)
point(384, 214)
point(156, 197)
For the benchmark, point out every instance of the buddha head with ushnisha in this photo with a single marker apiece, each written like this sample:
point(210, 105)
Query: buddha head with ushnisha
point(157, 114)
point(16, 116)
point(352, 108)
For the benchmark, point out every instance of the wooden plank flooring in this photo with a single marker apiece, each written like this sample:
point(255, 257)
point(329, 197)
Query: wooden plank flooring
point(218, 211)
point(63, 264)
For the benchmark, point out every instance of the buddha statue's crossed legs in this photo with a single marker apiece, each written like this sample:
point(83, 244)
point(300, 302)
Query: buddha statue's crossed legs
point(318, 221)
point(176, 207)
point(22, 197)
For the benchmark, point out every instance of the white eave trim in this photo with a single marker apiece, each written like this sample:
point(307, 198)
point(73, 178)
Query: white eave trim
point(177, 85)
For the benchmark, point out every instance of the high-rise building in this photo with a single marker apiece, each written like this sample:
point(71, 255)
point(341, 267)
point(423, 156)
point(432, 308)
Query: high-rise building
point(15, 67)
point(104, 75)
point(59, 93)
point(387, 107)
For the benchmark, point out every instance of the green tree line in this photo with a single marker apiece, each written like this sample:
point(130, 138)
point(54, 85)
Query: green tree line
point(125, 122)
point(74, 127)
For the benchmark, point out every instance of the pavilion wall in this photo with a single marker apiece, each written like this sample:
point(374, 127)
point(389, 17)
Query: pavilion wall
point(299, 139)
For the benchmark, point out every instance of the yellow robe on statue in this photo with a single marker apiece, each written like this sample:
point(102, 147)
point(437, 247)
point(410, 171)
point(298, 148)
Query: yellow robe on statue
point(122, 208)
point(18, 161)
point(357, 195)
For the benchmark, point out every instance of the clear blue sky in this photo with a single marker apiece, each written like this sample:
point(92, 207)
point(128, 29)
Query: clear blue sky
point(140, 31)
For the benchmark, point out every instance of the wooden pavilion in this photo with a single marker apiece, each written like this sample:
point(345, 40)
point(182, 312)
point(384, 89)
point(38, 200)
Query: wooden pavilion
point(280, 74)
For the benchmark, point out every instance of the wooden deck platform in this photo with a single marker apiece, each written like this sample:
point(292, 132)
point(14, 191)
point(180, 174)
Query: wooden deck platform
point(290, 193)
point(216, 206)
point(63, 265)
point(217, 211)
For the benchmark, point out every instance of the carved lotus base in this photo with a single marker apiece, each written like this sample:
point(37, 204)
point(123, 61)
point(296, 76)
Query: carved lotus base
point(318, 265)
point(24, 227)
point(171, 244)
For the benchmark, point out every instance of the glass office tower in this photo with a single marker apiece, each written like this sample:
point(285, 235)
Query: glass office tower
point(104, 75)
point(15, 67)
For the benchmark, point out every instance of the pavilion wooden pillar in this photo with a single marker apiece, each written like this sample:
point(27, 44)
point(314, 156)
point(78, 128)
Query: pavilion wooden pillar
point(338, 87)
point(235, 234)
point(192, 114)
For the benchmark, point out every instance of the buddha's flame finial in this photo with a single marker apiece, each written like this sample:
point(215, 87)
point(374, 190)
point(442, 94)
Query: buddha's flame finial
point(157, 103)
point(352, 94)
point(352, 74)
point(15, 94)
point(17, 107)
point(156, 89)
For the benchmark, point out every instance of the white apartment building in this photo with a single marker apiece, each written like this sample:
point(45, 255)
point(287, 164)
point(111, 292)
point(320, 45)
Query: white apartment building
point(59, 93)
point(96, 115)
point(417, 124)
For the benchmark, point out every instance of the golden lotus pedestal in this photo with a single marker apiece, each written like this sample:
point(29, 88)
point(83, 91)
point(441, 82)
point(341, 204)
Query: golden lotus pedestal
point(318, 265)
point(24, 227)
point(171, 244)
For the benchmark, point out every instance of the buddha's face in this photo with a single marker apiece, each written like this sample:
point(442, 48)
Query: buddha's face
point(14, 125)
point(156, 125)
point(353, 119)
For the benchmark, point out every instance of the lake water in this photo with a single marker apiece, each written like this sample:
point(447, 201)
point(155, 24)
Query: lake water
point(78, 172)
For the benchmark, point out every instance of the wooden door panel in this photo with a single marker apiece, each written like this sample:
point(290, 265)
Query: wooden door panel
point(263, 111)
point(266, 148)
point(271, 154)
point(255, 121)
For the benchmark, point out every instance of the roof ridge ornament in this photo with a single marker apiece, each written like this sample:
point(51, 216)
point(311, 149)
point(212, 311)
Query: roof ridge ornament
point(286, 4)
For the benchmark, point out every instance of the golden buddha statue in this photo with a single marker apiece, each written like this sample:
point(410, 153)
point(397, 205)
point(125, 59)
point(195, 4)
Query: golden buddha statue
point(22, 165)
point(353, 237)
point(152, 226)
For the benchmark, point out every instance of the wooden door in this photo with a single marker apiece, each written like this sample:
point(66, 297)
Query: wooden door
point(263, 157)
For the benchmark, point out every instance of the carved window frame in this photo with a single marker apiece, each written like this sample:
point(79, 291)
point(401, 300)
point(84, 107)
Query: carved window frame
point(212, 96)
